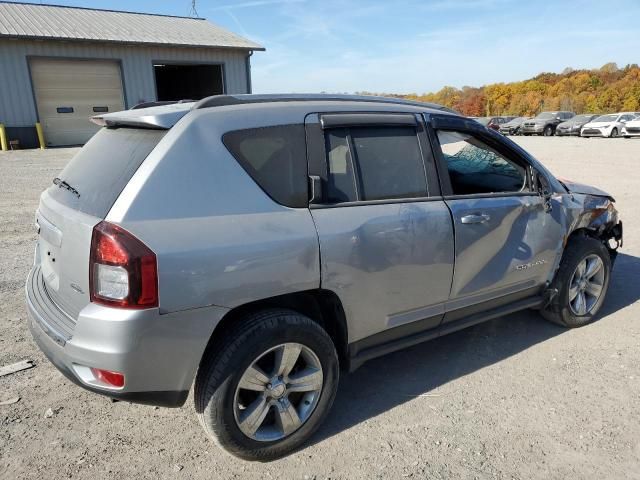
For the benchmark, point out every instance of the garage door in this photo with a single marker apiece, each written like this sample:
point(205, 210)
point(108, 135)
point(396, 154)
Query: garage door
point(69, 92)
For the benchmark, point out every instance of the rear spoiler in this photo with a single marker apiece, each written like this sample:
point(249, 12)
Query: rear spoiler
point(160, 117)
point(159, 103)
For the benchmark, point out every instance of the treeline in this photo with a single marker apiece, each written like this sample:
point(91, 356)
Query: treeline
point(604, 90)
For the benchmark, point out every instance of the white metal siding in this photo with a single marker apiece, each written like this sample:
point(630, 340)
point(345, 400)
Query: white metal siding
point(77, 86)
point(17, 103)
point(58, 22)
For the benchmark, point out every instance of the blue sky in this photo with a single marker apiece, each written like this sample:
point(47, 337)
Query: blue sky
point(411, 45)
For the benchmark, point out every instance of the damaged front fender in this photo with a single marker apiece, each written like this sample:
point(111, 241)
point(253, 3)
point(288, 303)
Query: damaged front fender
point(596, 216)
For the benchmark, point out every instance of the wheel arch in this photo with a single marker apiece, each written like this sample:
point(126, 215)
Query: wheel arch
point(598, 233)
point(320, 305)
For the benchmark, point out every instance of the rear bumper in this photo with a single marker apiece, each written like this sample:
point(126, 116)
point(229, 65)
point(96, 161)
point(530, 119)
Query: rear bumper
point(158, 354)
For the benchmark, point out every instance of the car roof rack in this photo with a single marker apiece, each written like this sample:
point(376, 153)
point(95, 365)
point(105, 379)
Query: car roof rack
point(225, 100)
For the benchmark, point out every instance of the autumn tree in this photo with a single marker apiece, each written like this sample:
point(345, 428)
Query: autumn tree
point(602, 90)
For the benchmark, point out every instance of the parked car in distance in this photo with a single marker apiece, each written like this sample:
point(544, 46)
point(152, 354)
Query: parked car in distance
point(493, 123)
point(631, 128)
point(545, 123)
point(606, 125)
point(255, 246)
point(574, 125)
point(512, 127)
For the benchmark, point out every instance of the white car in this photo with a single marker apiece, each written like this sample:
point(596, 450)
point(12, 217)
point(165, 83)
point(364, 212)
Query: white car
point(631, 128)
point(607, 125)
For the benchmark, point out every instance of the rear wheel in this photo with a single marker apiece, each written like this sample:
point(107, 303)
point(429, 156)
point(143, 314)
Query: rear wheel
point(581, 281)
point(266, 387)
point(614, 132)
point(548, 131)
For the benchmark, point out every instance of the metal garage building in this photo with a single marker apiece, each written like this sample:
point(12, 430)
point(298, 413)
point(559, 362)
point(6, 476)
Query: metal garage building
point(61, 65)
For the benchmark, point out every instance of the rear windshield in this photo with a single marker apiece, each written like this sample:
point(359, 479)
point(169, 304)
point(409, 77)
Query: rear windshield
point(104, 166)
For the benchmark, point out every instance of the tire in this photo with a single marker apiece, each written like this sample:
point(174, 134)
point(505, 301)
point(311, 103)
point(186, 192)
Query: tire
point(614, 133)
point(261, 337)
point(563, 310)
point(548, 131)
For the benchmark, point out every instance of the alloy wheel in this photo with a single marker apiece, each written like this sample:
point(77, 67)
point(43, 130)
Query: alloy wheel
point(587, 283)
point(278, 392)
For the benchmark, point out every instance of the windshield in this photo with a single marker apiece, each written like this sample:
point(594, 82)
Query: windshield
point(546, 115)
point(483, 120)
point(581, 118)
point(518, 120)
point(102, 168)
point(606, 118)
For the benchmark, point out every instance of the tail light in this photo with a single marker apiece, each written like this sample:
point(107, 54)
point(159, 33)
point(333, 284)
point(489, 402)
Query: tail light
point(112, 379)
point(123, 271)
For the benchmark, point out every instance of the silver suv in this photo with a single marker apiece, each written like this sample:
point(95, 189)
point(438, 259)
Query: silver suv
point(255, 246)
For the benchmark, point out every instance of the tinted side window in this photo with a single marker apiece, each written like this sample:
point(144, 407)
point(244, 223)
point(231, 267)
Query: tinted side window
point(276, 159)
point(389, 163)
point(474, 167)
point(374, 163)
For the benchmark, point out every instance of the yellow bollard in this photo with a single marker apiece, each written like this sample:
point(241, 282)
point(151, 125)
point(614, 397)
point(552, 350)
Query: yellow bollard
point(40, 135)
point(3, 138)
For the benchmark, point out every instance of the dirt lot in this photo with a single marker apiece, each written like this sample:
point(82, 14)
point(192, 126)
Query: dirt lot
point(513, 398)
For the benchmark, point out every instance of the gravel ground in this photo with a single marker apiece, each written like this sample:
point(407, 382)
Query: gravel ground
point(513, 398)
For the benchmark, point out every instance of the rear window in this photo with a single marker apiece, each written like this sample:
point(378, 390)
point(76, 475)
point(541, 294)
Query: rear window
point(275, 157)
point(104, 166)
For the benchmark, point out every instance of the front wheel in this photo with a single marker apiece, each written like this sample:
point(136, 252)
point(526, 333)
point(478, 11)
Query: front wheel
point(265, 387)
point(582, 282)
point(614, 132)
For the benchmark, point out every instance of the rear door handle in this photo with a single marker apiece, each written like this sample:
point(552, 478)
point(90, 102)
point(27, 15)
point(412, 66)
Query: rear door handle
point(475, 218)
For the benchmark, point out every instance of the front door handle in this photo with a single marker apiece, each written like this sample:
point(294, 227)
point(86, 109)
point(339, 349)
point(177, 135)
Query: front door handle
point(475, 218)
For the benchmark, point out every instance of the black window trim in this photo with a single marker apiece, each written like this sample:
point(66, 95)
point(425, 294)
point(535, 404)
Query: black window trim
point(317, 155)
point(468, 126)
point(367, 119)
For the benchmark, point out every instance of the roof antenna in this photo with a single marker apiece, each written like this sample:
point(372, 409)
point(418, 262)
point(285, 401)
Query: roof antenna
point(193, 12)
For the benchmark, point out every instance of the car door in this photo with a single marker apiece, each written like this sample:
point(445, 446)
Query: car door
point(506, 239)
point(385, 233)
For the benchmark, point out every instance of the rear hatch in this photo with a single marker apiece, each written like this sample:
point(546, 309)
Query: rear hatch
point(78, 199)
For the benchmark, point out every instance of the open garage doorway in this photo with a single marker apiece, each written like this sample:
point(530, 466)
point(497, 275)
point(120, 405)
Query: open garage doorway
point(187, 82)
